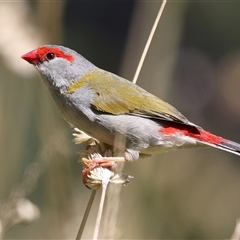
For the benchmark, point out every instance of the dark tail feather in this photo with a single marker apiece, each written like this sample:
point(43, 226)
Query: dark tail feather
point(228, 146)
point(212, 140)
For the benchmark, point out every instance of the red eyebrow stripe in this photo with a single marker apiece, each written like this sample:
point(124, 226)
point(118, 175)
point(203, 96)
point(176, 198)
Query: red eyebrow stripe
point(43, 50)
point(202, 135)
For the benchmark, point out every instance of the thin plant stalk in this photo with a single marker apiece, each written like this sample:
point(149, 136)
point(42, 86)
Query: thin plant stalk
point(86, 214)
point(105, 182)
point(149, 41)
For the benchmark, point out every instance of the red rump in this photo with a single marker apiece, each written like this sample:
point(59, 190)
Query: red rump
point(197, 133)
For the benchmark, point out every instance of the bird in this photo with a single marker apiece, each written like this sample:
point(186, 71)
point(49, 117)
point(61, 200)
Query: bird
point(104, 105)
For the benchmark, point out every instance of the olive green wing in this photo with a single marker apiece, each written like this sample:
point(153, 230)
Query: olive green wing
point(117, 96)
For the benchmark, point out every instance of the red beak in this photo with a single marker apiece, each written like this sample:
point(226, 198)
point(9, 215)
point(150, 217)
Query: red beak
point(31, 57)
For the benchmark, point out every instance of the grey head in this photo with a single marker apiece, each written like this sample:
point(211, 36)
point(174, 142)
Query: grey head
point(59, 66)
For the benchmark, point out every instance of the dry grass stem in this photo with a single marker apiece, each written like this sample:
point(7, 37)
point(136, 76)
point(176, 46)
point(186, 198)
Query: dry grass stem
point(86, 214)
point(105, 182)
point(149, 41)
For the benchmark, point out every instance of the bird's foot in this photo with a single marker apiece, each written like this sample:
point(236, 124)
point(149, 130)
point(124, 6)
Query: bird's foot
point(103, 160)
point(97, 168)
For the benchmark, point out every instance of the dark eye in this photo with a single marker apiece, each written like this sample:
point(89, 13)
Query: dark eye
point(50, 56)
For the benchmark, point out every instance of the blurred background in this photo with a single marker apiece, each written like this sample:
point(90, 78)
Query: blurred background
point(193, 63)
